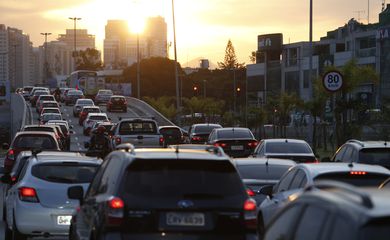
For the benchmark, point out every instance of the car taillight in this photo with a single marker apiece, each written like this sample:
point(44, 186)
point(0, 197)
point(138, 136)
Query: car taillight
point(118, 140)
point(250, 192)
point(161, 141)
point(28, 194)
point(11, 154)
point(115, 211)
point(252, 144)
point(195, 138)
point(250, 214)
point(220, 145)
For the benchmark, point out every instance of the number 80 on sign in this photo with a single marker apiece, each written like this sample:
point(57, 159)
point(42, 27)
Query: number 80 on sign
point(332, 81)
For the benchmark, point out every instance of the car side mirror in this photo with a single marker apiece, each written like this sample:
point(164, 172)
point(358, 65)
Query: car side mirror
point(325, 159)
point(5, 146)
point(86, 144)
point(6, 179)
point(76, 192)
point(266, 190)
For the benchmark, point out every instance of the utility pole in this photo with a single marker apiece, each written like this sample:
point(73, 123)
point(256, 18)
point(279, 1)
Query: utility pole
point(74, 19)
point(175, 51)
point(368, 12)
point(138, 70)
point(46, 67)
point(311, 50)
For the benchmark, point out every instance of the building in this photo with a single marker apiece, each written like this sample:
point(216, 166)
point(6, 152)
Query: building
point(4, 55)
point(83, 39)
point(120, 46)
point(285, 68)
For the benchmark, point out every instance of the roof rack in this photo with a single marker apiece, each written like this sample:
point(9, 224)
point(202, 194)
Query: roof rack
point(128, 147)
point(325, 184)
point(356, 141)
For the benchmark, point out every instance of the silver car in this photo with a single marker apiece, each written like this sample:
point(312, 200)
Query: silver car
point(37, 204)
point(80, 103)
point(103, 96)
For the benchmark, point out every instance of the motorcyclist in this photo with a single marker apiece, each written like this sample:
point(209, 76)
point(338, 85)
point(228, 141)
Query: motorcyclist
point(57, 94)
point(99, 142)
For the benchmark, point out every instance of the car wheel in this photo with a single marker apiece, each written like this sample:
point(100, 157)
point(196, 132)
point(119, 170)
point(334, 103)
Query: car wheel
point(16, 235)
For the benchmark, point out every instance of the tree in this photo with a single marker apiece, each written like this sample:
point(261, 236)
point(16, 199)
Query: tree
point(252, 57)
point(89, 59)
point(165, 105)
point(230, 61)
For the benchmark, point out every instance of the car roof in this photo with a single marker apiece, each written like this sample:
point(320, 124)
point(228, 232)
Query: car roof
point(49, 101)
point(206, 124)
point(97, 114)
point(59, 156)
point(232, 129)
point(169, 126)
point(137, 120)
point(84, 99)
point(277, 140)
point(34, 133)
point(117, 96)
point(38, 126)
point(50, 108)
point(51, 114)
point(263, 161)
point(369, 144)
point(91, 106)
point(58, 121)
point(316, 169)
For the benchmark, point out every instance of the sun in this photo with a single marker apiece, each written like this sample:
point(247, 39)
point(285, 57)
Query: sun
point(136, 24)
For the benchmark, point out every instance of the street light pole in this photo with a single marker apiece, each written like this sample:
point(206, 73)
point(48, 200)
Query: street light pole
point(204, 88)
point(175, 51)
point(311, 49)
point(138, 70)
point(234, 90)
point(46, 68)
point(74, 19)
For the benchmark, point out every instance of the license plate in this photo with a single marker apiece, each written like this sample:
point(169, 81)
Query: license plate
point(64, 220)
point(185, 219)
point(237, 147)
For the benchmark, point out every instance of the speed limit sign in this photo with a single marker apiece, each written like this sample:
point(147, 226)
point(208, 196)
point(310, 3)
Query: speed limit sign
point(332, 81)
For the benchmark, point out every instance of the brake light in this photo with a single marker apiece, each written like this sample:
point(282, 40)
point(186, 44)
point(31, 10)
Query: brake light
point(252, 144)
point(28, 194)
point(220, 144)
point(250, 214)
point(250, 192)
point(161, 141)
point(195, 138)
point(11, 154)
point(358, 173)
point(118, 140)
point(115, 214)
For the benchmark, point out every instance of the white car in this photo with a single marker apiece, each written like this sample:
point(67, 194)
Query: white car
point(80, 103)
point(91, 119)
point(37, 204)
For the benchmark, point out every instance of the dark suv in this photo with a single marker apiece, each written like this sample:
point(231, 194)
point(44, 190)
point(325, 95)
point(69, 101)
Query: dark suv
point(368, 152)
point(164, 194)
point(117, 102)
point(334, 211)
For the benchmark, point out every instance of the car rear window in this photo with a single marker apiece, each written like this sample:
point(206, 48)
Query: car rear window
point(64, 172)
point(126, 128)
point(35, 141)
point(92, 110)
point(182, 179)
point(234, 134)
point(378, 229)
point(85, 102)
point(47, 117)
point(261, 172)
point(50, 111)
point(46, 98)
point(204, 129)
point(117, 99)
point(170, 131)
point(42, 129)
point(287, 147)
point(379, 156)
point(105, 92)
point(356, 178)
point(49, 105)
point(98, 117)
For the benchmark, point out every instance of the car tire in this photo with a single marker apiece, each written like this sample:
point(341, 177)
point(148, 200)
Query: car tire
point(16, 235)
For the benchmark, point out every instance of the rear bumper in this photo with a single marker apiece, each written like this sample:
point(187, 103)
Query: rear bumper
point(178, 236)
point(27, 214)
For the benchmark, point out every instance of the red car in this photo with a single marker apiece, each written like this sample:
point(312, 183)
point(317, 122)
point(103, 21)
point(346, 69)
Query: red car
point(24, 141)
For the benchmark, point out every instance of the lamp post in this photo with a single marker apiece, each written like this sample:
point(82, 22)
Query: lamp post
point(46, 68)
point(74, 19)
point(311, 49)
point(234, 90)
point(138, 70)
point(175, 51)
point(204, 88)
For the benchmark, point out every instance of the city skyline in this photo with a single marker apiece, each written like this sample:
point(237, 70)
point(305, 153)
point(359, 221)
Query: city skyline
point(203, 27)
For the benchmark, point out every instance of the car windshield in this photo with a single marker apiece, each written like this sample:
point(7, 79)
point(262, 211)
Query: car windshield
point(178, 179)
point(229, 134)
point(379, 156)
point(137, 128)
point(64, 172)
point(356, 178)
point(35, 141)
point(287, 147)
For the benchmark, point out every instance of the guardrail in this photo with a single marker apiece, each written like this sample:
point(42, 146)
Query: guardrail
point(149, 110)
point(20, 115)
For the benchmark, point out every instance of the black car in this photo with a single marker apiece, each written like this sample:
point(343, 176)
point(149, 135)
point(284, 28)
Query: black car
point(164, 194)
point(199, 133)
point(117, 102)
point(334, 211)
point(236, 142)
point(172, 135)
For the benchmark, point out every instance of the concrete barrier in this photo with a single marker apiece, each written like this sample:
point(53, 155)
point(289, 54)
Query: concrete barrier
point(18, 113)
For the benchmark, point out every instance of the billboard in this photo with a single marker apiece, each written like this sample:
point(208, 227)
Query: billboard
point(270, 42)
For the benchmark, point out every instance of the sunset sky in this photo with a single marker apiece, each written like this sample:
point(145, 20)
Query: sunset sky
point(203, 27)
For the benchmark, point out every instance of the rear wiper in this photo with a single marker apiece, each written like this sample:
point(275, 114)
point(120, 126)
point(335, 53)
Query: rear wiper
point(201, 195)
point(60, 179)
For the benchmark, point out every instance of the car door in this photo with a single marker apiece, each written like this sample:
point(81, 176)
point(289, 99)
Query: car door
point(281, 191)
point(339, 154)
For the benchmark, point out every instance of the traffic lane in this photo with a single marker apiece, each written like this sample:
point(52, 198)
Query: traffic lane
point(78, 139)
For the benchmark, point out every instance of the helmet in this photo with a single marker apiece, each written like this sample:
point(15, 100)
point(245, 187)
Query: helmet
point(101, 129)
